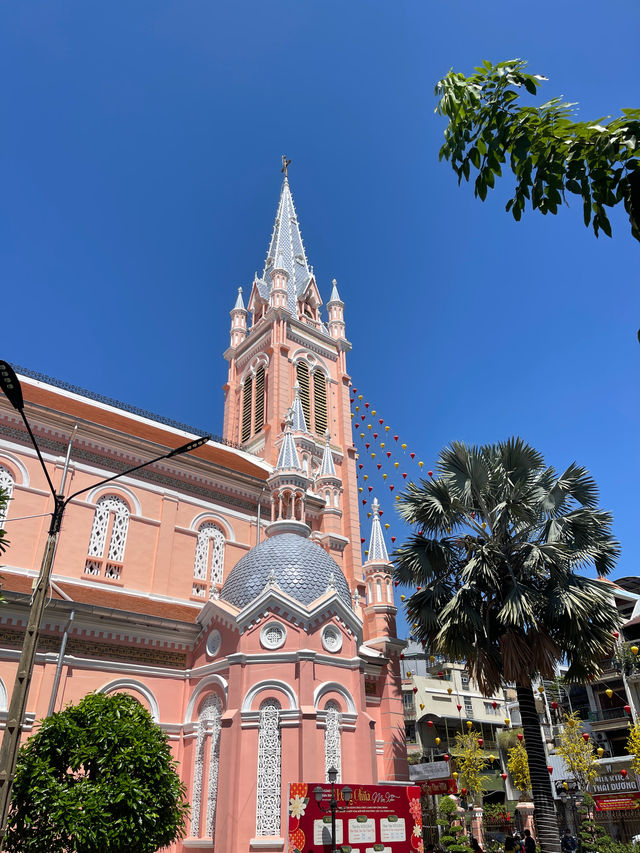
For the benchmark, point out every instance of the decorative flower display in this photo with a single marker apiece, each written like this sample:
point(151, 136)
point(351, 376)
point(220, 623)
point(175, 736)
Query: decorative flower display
point(416, 809)
point(297, 806)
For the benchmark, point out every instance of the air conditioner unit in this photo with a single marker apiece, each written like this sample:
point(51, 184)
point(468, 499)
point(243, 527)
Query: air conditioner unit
point(600, 736)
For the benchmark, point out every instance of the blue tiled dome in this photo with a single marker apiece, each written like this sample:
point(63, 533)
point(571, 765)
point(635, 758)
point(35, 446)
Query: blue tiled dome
point(302, 569)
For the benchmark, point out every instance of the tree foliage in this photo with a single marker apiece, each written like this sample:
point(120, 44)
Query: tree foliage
point(577, 753)
point(518, 767)
point(549, 153)
point(499, 545)
point(98, 776)
point(470, 763)
point(633, 747)
point(453, 838)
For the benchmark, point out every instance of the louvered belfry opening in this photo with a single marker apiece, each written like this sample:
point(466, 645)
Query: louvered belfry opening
point(246, 408)
point(258, 416)
point(302, 372)
point(320, 401)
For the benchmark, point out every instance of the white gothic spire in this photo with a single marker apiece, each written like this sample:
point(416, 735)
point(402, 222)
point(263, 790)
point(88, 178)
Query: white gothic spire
point(327, 468)
point(288, 456)
point(299, 423)
point(377, 548)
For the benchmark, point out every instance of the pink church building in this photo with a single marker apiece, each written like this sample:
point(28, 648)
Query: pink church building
point(223, 589)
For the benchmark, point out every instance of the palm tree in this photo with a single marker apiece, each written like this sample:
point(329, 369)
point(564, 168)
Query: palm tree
point(500, 538)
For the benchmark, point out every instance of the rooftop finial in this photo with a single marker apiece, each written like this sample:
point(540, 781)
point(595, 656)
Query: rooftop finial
point(285, 165)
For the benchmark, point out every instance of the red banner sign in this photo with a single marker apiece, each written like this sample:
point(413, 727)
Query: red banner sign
point(378, 819)
point(617, 801)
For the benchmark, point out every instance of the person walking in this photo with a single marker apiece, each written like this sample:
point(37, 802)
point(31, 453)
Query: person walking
point(529, 842)
point(568, 843)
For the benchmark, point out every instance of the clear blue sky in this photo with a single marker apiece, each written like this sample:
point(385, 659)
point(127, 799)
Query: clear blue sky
point(140, 155)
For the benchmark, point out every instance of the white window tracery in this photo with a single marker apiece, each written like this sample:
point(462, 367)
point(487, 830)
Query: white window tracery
point(332, 745)
point(110, 524)
point(7, 483)
point(269, 770)
point(209, 553)
point(208, 730)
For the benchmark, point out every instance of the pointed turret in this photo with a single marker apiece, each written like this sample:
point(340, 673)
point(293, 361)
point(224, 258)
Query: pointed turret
point(299, 423)
point(329, 485)
point(288, 485)
point(238, 321)
point(335, 307)
point(380, 611)
point(327, 468)
point(377, 547)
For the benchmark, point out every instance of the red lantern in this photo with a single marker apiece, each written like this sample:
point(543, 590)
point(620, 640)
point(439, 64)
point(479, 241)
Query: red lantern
point(441, 674)
point(404, 476)
point(380, 421)
point(396, 437)
point(504, 777)
point(364, 500)
point(391, 488)
point(586, 737)
point(494, 705)
point(430, 723)
point(361, 466)
point(415, 689)
point(362, 540)
point(401, 655)
point(463, 791)
point(554, 705)
point(375, 435)
point(393, 538)
point(366, 405)
point(367, 445)
point(459, 707)
point(395, 583)
point(520, 736)
point(379, 466)
point(388, 454)
point(623, 773)
point(412, 455)
point(550, 769)
point(430, 473)
point(627, 708)
point(480, 741)
point(355, 390)
point(381, 512)
point(446, 757)
point(418, 588)
point(616, 634)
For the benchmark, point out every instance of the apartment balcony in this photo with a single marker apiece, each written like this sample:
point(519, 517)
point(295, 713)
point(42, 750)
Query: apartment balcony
point(607, 718)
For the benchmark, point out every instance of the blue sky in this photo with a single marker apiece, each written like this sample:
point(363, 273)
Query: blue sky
point(140, 156)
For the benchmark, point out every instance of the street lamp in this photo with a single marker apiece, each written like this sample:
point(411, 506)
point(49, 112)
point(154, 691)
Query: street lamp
point(318, 793)
point(570, 795)
point(10, 385)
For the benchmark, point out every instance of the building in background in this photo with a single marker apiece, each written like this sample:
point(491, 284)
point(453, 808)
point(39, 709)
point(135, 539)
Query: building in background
point(224, 589)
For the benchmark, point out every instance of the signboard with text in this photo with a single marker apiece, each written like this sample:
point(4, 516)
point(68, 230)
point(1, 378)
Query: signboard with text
point(378, 819)
point(616, 802)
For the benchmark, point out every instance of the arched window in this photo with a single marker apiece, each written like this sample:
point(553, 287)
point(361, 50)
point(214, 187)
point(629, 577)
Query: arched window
point(108, 538)
point(247, 393)
point(7, 484)
point(253, 403)
point(302, 375)
point(320, 402)
point(209, 552)
point(332, 752)
point(208, 734)
point(269, 767)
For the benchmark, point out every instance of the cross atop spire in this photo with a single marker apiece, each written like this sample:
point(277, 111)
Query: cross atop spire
point(285, 165)
point(377, 548)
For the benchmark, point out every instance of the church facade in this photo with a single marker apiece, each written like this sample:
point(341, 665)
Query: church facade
point(224, 589)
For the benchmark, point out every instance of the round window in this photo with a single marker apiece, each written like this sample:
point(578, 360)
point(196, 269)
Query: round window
point(273, 635)
point(332, 639)
point(214, 641)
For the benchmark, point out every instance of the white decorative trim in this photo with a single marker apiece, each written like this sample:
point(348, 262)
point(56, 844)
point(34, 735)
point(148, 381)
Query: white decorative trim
point(205, 684)
point(3, 697)
point(270, 684)
point(138, 687)
point(273, 635)
point(333, 687)
point(332, 638)
point(96, 493)
point(217, 519)
point(17, 463)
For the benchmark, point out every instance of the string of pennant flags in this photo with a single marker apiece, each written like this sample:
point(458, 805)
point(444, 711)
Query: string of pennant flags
point(380, 454)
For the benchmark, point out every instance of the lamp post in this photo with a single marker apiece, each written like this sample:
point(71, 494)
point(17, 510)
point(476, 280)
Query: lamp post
point(318, 793)
point(10, 385)
point(569, 794)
